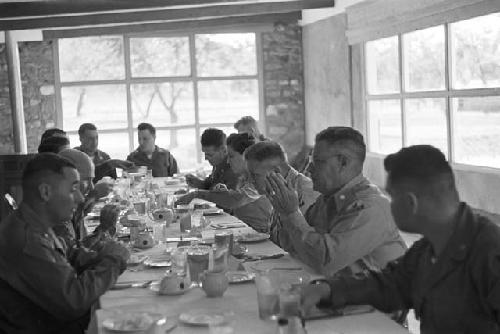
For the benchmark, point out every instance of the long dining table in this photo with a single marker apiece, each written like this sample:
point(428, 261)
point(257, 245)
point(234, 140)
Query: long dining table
point(240, 300)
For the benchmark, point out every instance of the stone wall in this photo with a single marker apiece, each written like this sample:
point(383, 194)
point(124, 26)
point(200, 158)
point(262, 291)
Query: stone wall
point(284, 87)
point(37, 74)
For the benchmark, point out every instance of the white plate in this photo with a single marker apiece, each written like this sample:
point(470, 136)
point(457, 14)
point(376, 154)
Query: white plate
point(129, 322)
point(253, 237)
point(202, 318)
point(236, 277)
point(155, 286)
point(158, 261)
point(213, 212)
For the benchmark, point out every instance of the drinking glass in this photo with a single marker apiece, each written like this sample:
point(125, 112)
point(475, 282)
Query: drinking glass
point(267, 295)
point(198, 260)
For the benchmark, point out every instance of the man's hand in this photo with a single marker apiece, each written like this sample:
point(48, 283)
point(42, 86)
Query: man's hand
point(283, 196)
point(102, 189)
point(186, 199)
point(115, 249)
point(108, 218)
point(311, 295)
point(194, 181)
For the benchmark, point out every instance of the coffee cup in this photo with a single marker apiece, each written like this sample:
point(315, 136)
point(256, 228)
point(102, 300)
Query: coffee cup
point(214, 283)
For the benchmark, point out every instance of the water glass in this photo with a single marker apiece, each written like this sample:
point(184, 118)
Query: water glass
point(179, 260)
point(224, 239)
point(289, 300)
point(267, 295)
point(198, 258)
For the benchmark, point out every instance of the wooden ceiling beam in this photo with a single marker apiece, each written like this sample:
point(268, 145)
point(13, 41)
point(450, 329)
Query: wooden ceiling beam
point(177, 26)
point(56, 7)
point(163, 14)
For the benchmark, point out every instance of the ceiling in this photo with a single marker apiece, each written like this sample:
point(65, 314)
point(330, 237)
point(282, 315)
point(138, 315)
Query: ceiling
point(150, 14)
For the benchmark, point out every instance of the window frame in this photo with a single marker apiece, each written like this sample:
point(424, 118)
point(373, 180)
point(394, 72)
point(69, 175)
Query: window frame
point(448, 93)
point(129, 80)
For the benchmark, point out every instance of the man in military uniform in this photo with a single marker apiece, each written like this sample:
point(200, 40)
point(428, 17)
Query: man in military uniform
point(42, 292)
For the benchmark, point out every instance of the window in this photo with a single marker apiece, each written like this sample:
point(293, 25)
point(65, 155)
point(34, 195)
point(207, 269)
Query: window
point(180, 84)
point(438, 86)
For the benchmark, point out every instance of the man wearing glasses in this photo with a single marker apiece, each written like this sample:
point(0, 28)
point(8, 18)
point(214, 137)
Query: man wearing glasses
point(349, 229)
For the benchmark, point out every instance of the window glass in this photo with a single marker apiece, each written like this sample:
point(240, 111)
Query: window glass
point(477, 130)
point(385, 126)
point(382, 69)
point(181, 143)
point(160, 57)
point(114, 144)
point(225, 54)
point(103, 105)
point(225, 101)
point(163, 104)
point(91, 58)
point(476, 52)
point(424, 55)
point(426, 123)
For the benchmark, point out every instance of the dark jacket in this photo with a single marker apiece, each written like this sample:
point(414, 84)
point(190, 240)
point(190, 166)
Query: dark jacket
point(457, 293)
point(40, 290)
point(162, 161)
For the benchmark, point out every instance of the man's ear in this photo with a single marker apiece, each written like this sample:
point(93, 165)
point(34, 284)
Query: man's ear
point(44, 191)
point(412, 202)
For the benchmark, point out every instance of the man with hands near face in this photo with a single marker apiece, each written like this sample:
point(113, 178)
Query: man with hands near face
point(349, 228)
point(450, 277)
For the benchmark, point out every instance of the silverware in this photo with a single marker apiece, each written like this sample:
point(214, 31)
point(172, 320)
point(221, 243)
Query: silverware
point(249, 258)
point(119, 286)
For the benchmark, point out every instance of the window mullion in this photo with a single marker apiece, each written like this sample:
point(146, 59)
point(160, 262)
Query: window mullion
point(130, 125)
point(57, 82)
point(194, 76)
point(402, 87)
point(448, 87)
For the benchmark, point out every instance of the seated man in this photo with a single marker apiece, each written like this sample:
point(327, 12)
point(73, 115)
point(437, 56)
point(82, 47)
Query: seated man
point(74, 230)
point(159, 160)
point(248, 124)
point(450, 277)
point(53, 132)
point(104, 165)
point(266, 157)
point(349, 228)
point(89, 139)
point(41, 291)
point(54, 144)
point(245, 202)
point(213, 145)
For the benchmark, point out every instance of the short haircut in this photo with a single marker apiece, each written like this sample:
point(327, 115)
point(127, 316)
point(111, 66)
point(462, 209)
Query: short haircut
point(213, 137)
point(265, 150)
point(423, 165)
point(147, 126)
point(347, 137)
point(52, 132)
point(245, 120)
point(86, 126)
point(240, 142)
point(53, 144)
point(41, 164)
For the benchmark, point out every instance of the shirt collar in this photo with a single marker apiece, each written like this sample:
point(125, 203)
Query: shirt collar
point(462, 238)
point(346, 194)
point(33, 219)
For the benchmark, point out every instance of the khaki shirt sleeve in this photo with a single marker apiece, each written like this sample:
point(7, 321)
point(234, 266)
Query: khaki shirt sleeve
point(352, 236)
point(46, 278)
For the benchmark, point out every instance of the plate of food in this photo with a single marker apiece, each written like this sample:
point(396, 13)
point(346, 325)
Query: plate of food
point(203, 318)
point(130, 322)
point(159, 261)
point(253, 237)
point(236, 277)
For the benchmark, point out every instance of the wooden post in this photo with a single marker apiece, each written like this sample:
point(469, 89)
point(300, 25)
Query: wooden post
point(16, 94)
